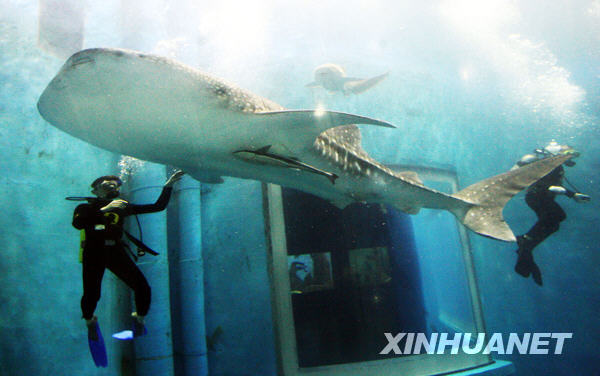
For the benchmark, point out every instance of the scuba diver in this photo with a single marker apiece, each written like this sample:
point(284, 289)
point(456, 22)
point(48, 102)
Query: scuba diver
point(540, 197)
point(101, 222)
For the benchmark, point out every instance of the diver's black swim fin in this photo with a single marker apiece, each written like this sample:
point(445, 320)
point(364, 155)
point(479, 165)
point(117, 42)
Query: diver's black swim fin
point(525, 265)
point(536, 274)
point(527, 269)
point(523, 268)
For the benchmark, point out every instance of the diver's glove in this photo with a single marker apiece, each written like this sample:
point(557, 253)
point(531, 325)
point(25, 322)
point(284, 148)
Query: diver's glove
point(557, 189)
point(580, 197)
point(114, 204)
point(174, 178)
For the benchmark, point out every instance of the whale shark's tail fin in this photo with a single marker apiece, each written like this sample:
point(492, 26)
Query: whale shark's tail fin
point(480, 205)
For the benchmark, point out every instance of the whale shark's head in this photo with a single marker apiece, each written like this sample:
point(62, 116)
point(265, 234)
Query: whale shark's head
point(102, 95)
point(76, 89)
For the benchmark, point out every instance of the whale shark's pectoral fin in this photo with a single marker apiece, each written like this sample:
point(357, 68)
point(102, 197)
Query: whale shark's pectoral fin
point(357, 85)
point(412, 210)
point(312, 84)
point(341, 202)
point(206, 177)
point(306, 125)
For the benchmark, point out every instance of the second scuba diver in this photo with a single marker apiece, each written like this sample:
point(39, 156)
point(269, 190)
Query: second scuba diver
point(540, 197)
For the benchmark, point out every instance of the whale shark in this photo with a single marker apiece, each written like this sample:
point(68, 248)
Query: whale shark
point(160, 110)
point(333, 78)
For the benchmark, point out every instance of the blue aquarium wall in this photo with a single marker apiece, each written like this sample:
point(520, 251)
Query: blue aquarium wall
point(474, 85)
point(237, 293)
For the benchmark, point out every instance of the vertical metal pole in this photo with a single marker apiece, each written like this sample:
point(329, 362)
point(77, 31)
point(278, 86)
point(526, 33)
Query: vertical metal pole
point(470, 271)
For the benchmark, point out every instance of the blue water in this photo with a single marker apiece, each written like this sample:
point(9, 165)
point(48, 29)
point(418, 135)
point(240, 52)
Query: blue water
point(472, 85)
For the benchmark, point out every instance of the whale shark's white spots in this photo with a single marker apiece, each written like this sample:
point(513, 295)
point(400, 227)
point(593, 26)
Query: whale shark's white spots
point(237, 99)
point(230, 98)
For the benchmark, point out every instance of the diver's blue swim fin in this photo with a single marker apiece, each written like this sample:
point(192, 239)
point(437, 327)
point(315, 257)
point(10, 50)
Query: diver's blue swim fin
point(97, 348)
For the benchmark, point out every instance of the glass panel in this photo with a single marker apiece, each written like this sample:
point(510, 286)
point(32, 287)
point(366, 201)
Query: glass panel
point(343, 278)
point(349, 278)
point(445, 284)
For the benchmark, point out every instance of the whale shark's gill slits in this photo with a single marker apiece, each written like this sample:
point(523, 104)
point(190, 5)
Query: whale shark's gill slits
point(343, 156)
point(341, 146)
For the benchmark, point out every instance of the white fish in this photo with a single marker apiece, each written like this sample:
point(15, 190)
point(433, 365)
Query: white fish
point(333, 78)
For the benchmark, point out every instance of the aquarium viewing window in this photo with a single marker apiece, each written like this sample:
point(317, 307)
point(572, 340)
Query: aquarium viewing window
point(341, 279)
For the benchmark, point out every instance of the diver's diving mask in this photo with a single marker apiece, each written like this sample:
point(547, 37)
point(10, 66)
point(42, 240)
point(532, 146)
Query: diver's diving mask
point(554, 148)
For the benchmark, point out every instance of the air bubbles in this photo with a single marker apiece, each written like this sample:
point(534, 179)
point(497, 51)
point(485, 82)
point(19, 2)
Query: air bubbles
point(129, 166)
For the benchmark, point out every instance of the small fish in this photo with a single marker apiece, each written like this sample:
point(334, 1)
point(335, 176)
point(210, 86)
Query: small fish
point(262, 155)
point(333, 78)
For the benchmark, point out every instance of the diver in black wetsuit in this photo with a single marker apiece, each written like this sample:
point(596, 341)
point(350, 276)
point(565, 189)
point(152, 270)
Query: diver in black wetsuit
point(540, 197)
point(103, 248)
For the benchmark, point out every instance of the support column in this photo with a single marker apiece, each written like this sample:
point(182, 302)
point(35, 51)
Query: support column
point(187, 279)
point(154, 351)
